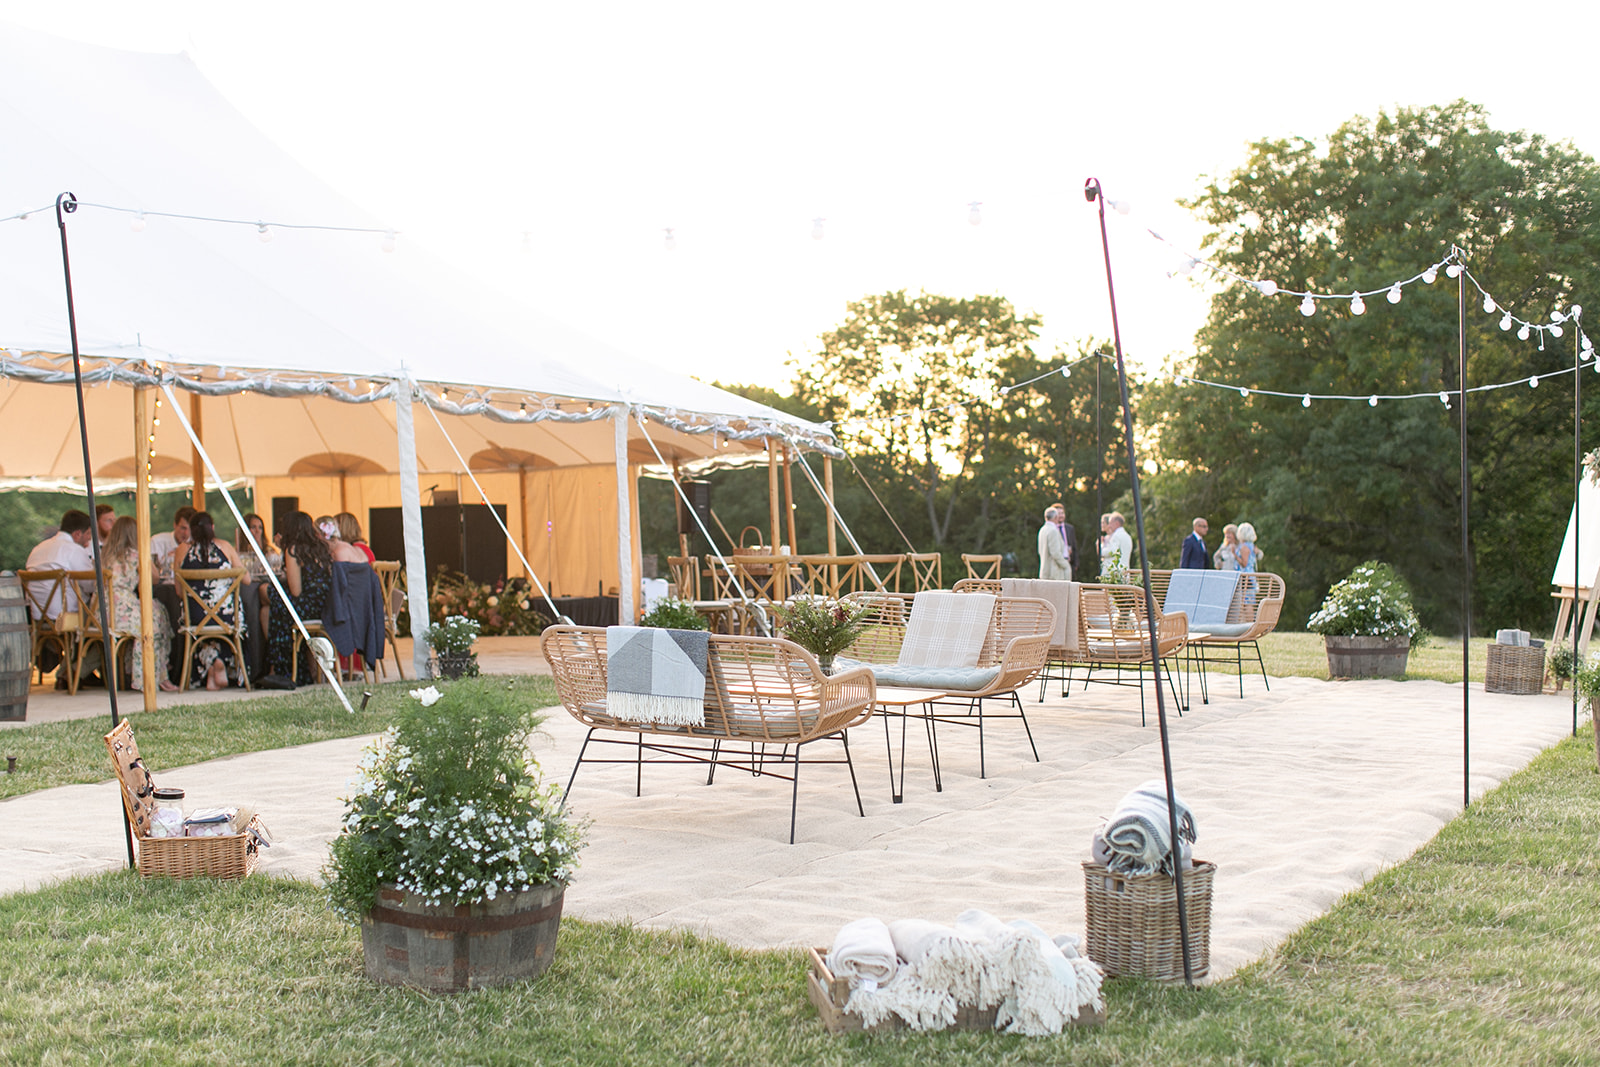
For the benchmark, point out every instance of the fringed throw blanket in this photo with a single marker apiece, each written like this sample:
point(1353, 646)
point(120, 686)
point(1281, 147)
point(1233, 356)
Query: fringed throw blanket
point(657, 676)
point(1137, 839)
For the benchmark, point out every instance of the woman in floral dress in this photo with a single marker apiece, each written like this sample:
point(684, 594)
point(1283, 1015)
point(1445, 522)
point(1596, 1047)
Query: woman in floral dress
point(307, 575)
point(122, 559)
point(214, 664)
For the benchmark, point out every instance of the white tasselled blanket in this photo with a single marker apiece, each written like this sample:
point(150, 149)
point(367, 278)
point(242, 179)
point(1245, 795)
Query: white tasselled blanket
point(657, 676)
point(1137, 839)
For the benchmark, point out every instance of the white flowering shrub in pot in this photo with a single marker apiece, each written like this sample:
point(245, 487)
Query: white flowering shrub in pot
point(455, 853)
point(451, 641)
point(1367, 622)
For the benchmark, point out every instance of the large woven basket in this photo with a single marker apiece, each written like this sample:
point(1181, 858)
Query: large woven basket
point(1514, 669)
point(1133, 922)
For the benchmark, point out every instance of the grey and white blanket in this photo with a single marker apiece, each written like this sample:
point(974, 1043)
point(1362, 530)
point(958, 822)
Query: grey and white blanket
point(657, 676)
point(1137, 839)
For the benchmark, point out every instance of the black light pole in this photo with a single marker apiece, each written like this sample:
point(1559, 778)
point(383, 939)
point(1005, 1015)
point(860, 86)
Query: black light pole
point(1092, 193)
point(1466, 545)
point(66, 204)
point(1577, 478)
point(1099, 465)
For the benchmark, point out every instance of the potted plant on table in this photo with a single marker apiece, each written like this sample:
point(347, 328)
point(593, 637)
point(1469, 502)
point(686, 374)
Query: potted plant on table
point(821, 626)
point(1367, 623)
point(674, 614)
point(451, 641)
point(455, 854)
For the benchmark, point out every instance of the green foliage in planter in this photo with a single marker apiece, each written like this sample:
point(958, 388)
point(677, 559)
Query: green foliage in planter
point(820, 626)
point(1372, 602)
point(453, 636)
point(451, 805)
point(674, 614)
point(1564, 662)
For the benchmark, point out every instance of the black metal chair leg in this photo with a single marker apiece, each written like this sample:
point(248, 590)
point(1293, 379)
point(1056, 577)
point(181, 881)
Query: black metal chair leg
point(716, 748)
point(982, 767)
point(638, 768)
point(1263, 665)
point(930, 726)
point(794, 796)
point(849, 763)
point(574, 776)
point(1026, 728)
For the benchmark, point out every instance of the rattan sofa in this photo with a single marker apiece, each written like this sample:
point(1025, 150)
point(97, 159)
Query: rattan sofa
point(760, 692)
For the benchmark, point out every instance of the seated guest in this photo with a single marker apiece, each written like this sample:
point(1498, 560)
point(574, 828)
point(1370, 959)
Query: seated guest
point(350, 533)
point(340, 550)
point(121, 556)
point(104, 516)
point(163, 549)
point(307, 573)
point(66, 550)
point(254, 533)
point(213, 661)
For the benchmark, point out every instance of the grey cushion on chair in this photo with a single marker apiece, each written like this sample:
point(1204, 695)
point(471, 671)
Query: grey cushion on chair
point(955, 679)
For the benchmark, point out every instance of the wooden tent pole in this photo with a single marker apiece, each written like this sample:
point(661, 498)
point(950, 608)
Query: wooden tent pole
point(199, 494)
point(772, 492)
point(147, 622)
point(827, 485)
point(788, 502)
point(522, 506)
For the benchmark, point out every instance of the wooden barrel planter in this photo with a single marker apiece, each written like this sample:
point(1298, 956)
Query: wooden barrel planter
point(16, 650)
point(447, 948)
point(1367, 657)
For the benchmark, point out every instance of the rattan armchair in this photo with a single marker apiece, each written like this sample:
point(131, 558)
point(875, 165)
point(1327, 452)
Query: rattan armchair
point(1114, 635)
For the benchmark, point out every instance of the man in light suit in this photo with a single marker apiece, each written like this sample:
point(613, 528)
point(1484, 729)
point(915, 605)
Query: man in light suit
point(1054, 560)
point(1195, 556)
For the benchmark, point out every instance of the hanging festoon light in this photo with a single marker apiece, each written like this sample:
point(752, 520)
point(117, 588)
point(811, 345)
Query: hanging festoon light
point(138, 223)
point(1430, 275)
point(1372, 401)
point(388, 240)
point(1505, 321)
point(1524, 333)
point(1394, 293)
point(263, 232)
point(1305, 401)
point(974, 216)
point(1489, 307)
point(816, 229)
point(1533, 383)
point(669, 242)
point(1453, 271)
point(1267, 287)
point(1308, 306)
point(1358, 306)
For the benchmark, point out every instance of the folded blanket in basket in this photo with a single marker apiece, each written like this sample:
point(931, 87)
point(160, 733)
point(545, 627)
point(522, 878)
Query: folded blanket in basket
point(1137, 839)
point(864, 952)
point(940, 958)
point(881, 985)
point(1036, 987)
point(655, 675)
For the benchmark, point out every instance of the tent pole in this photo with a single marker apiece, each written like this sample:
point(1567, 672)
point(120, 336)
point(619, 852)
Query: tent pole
point(788, 502)
point(1092, 192)
point(626, 615)
point(772, 492)
point(1466, 549)
point(827, 484)
point(147, 620)
point(522, 508)
point(343, 494)
point(411, 526)
point(199, 492)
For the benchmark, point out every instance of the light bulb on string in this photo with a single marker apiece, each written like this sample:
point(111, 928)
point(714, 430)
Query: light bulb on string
point(1305, 401)
point(1555, 330)
point(1430, 275)
point(1394, 293)
point(1453, 270)
point(1308, 306)
point(138, 223)
point(1488, 304)
point(1066, 372)
point(669, 242)
point(1444, 398)
point(1556, 316)
point(1576, 311)
point(1522, 334)
point(388, 240)
point(1372, 401)
point(1533, 383)
point(1505, 321)
point(974, 216)
point(263, 232)
point(1243, 391)
point(816, 229)
point(1122, 207)
point(1358, 306)
point(1267, 287)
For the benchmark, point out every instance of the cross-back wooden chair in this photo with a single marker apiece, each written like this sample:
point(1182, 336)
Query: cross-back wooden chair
point(392, 577)
point(986, 566)
point(836, 576)
point(41, 590)
point(90, 633)
point(927, 570)
point(212, 625)
point(685, 575)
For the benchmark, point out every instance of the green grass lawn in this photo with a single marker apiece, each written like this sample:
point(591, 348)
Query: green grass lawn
point(64, 753)
point(1483, 948)
point(1303, 655)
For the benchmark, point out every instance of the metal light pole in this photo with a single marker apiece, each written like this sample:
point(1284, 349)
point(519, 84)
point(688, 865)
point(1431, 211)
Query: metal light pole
point(1092, 193)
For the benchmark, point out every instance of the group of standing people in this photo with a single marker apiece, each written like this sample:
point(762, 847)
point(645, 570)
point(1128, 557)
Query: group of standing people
point(1058, 548)
point(301, 555)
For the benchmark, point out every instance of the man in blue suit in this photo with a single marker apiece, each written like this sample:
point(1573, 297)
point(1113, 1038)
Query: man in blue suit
point(1195, 556)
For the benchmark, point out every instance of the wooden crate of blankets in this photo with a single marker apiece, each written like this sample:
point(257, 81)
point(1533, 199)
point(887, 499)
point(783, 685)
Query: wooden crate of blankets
point(178, 855)
point(978, 975)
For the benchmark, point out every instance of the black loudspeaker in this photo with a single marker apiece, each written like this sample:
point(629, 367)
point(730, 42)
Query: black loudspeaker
point(699, 494)
point(464, 540)
point(282, 508)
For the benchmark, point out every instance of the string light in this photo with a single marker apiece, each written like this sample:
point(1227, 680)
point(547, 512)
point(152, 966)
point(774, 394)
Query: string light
point(1430, 275)
point(670, 242)
point(974, 216)
point(1489, 307)
point(1267, 287)
point(263, 232)
point(1533, 382)
point(816, 229)
point(1372, 401)
point(1394, 293)
point(1453, 271)
point(138, 223)
point(1358, 306)
point(388, 241)
point(1305, 401)
point(1505, 321)
point(1308, 306)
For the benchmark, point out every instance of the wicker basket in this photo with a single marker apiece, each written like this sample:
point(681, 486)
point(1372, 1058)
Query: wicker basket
point(1133, 922)
point(1514, 669)
point(226, 856)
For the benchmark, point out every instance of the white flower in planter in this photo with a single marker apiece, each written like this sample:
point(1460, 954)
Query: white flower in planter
point(429, 696)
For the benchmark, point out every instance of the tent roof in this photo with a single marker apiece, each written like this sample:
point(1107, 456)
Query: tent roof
point(320, 314)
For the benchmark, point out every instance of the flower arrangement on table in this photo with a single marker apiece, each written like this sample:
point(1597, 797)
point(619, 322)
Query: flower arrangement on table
point(451, 641)
point(504, 608)
point(821, 626)
point(451, 806)
point(1372, 602)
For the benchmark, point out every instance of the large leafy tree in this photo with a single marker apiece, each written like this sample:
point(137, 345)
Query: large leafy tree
point(1341, 482)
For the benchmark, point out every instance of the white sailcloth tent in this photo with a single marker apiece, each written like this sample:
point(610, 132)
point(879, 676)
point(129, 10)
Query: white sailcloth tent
point(301, 357)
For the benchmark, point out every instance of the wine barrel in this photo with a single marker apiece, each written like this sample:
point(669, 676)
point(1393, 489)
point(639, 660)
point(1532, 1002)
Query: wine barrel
point(16, 650)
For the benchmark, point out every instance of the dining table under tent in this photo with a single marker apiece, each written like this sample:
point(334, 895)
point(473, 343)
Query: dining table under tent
point(313, 365)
